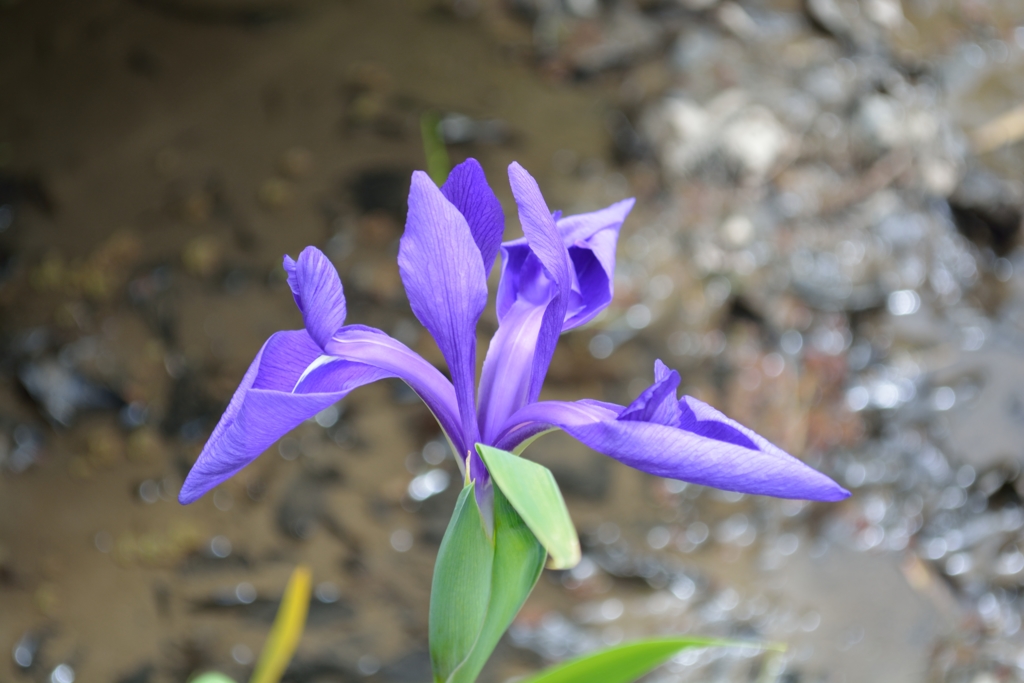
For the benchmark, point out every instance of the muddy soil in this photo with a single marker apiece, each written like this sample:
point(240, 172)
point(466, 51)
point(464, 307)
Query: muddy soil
point(178, 151)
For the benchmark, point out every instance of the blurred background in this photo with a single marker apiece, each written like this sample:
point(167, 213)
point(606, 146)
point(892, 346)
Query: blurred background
point(825, 245)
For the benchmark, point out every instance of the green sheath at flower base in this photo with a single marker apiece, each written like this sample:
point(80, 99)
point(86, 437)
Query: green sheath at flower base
point(532, 491)
point(518, 563)
point(461, 587)
point(480, 583)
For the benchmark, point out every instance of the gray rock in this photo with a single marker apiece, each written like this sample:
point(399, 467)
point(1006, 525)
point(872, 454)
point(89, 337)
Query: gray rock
point(988, 430)
point(874, 626)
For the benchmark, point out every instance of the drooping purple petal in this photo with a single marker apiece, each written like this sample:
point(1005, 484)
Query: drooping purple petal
point(671, 452)
point(467, 189)
point(317, 290)
point(676, 453)
point(445, 281)
point(374, 348)
point(531, 420)
point(519, 354)
point(269, 402)
point(700, 418)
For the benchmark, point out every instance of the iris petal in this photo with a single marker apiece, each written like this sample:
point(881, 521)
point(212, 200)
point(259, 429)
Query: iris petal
point(673, 452)
point(467, 189)
point(445, 281)
point(564, 269)
point(657, 403)
point(591, 239)
point(505, 380)
point(700, 418)
point(268, 404)
point(541, 234)
point(537, 418)
point(317, 290)
point(520, 352)
point(560, 275)
point(369, 346)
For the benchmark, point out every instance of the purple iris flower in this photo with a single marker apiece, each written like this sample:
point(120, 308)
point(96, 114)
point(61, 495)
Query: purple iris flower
point(558, 276)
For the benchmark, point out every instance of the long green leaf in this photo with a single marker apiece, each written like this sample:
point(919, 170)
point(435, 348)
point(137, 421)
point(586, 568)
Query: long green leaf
point(518, 563)
point(212, 677)
point(461, 587)
point(532, 491)
point(438, 164)
point(287, 629)
point(623, 663)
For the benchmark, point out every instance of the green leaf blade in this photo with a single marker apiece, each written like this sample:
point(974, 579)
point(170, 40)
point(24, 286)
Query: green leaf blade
point(287, 629)
point(518, 563)
point(461, 587)
point(438, 163)
point(532, 491)
point(623, 663)
point(212, 677)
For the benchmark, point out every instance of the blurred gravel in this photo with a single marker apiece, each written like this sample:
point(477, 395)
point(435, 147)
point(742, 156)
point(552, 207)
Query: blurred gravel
point(830, 254)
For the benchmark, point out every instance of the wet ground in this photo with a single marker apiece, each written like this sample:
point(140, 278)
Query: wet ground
point(825, 245)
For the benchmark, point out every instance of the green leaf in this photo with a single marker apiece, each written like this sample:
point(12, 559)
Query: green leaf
point(212, 677)
point(624, 663)
point(518, 563)
point(461, 587)
point(532, 491)
point(287, 629)
point(438, 164)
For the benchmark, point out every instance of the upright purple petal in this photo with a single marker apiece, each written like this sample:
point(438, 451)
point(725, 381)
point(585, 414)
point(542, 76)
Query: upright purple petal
point(657, 403)
point(539, 228)
point(445, 281)
point(269, 402)
point(591, 239)
point(520, 352)
point(513, 259)
point(505, 380)
point(582, 227)
point(676, 453)
point(467, 189)
point(317, 290)
point(374, 348)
